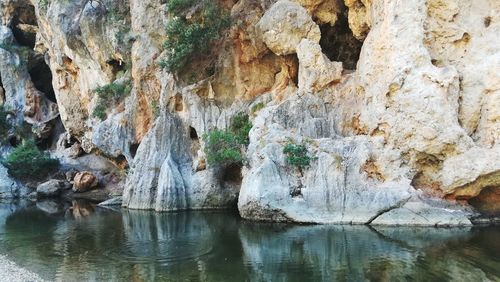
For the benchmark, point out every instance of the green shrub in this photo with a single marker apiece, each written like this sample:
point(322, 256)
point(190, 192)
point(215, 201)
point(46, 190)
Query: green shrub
point(28, 162)
point(296, 155)
point(224, 147)
point(179, 6)
point(257, 107)
point(108, 95)
point(240, 127)
point(194, 35)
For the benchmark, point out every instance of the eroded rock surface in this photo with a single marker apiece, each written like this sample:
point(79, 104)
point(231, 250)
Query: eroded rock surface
point(406, 135)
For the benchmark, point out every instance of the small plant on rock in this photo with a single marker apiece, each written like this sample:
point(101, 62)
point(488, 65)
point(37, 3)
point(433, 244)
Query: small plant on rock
point(28, 162)
point(110, 94)
point(224, 147)
point(297, 155)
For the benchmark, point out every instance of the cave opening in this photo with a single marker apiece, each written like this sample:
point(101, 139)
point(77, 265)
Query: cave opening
point(133, 149)
point(232, 174)
point(338, 42)
point(116, 66)
point(193, 134)
point(24, 29)
point(41, 76)
point(24, 26)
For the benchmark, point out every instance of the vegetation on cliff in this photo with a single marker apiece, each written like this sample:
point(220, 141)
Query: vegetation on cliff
point(296, 155)
point(187, 35)
point(110, 94)
point(224, 147)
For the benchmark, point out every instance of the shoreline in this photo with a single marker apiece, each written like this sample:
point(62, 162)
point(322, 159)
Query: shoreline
point(10, 271)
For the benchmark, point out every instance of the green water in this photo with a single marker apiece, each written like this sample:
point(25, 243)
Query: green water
point(82, 243)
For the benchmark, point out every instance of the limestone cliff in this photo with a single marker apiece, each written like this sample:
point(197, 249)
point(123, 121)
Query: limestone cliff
point(397, 103)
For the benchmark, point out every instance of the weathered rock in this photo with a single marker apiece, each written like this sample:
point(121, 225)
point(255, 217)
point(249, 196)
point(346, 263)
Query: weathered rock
point(8, 187)
point(466, 175)
point(50, 189)
point(284, 25)
point(325, 12)
point(117, 201)
point(316, 71)
point(360, 18)
point(84, 181)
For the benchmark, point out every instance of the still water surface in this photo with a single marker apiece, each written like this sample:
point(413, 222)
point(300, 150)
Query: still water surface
point(79, 242)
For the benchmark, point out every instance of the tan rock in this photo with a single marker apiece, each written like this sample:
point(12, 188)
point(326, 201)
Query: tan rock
point(84, 181)
point(324, 11)
point(284, 25)
point(316, 71)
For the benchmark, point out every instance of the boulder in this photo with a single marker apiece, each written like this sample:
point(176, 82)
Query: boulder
point(49, 189)
point(316, 71)
point(284, 25)
point(84, 181)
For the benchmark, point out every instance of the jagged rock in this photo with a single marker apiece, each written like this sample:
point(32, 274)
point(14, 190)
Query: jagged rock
point(84, 181)
point(359, 16)
point(117, 201)
point(163, 178)
point(284, 25)
point(466, 175)
point(49, 189)
point(325, 12)
point(316, 71)
point(8, 187)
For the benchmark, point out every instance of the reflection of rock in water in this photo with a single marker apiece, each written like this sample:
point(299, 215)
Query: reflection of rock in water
point(181, 242)
point(331, 253)
point(81, 208)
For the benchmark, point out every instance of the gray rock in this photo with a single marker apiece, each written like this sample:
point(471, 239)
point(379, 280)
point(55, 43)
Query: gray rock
point(117, 201)
point(8, 187)
point(51, 188)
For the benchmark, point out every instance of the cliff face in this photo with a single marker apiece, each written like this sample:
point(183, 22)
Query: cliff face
point(397, 103)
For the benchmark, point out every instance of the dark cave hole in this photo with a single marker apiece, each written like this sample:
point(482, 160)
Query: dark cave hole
point(14, 141)
point(338, 42)
point(232, 174)
point(121, 161)
point(193, 134)
point(23, 25)
point(42, 77)
point(116, 66)
point(133, 149)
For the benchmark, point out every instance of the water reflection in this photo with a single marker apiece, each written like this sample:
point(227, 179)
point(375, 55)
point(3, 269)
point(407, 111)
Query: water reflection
point(84, 242)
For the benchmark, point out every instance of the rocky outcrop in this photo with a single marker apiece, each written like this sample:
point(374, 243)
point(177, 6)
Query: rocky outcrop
point(404, 131)
point(8, 187)
point(284, 25)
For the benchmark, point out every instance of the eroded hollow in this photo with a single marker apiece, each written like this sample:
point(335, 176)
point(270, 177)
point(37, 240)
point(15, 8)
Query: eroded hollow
point(338, 42)
point(24, 25)
point(232, 174)
point(42, 77)
point(133, 149)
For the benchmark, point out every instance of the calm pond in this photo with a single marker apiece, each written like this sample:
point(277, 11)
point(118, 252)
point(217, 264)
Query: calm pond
point(79, 242)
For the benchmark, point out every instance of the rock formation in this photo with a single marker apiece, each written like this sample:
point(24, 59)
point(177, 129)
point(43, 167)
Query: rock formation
point(396, 102)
